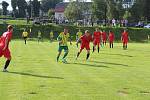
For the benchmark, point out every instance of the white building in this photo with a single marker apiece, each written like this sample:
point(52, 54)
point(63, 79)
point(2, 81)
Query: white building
point(59, 10)
point(128, 3)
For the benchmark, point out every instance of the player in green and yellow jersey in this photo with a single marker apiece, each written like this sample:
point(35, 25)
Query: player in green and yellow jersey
point(25, 36)
point(51, 36)
point(78, 36)
point(63, 39)
point(39, 36)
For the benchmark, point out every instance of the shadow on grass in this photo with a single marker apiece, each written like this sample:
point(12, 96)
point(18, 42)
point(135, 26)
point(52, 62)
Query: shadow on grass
point(109, 63)
point(33, 75)
point(90, 65)
point(119, 55)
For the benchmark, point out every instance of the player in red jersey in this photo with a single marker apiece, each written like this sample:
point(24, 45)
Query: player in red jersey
point(104, 37)
point(125, 39)
point(85, 43)
point(96, 39)
point(111, 38)
point(4, 46)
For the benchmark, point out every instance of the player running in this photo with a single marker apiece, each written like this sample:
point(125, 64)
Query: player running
point(125, 39)
point(4, 46)
point(63, 39)
point(96, 40)
point(85, 43)
point(111, 38)
point(78, 35)
point(39, 36)
point(104, 37)
point(25, 36)
point(51, 36)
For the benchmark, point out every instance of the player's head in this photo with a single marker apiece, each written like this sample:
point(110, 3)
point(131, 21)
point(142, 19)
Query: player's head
point(97, 29)
point(110, 31)
point(10, 28)
point(65, 30)
point(125, 30)
point(87, 33)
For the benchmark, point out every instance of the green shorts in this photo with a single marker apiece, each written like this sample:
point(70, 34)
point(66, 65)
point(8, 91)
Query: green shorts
point(65, 48)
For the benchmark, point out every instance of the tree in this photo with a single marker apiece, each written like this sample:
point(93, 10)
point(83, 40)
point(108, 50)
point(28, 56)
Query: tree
point(4, 6)
point(146, 9)
point(22, 6)
point(119, 10)
point(137, 10)
point(99, 9)
point(14, 5)
point(50, 13)
point(49, 4)
point(36, 8)
point(73, 11)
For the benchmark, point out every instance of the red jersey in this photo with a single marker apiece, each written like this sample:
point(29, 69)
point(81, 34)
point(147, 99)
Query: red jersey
point(5, 35)
point(97, 35)
point(85, 40)
point(125, 36)
point(111, 37)
point(104, 36)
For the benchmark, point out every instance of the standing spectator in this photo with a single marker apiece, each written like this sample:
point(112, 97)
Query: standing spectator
point(113, 22)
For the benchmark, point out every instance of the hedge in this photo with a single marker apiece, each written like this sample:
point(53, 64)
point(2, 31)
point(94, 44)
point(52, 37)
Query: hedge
point(136, 34)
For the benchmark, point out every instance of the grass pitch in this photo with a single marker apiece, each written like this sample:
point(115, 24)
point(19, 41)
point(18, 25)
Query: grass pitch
point(114, 74)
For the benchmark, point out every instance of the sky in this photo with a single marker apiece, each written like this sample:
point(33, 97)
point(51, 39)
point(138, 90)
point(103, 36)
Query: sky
point(9, 1)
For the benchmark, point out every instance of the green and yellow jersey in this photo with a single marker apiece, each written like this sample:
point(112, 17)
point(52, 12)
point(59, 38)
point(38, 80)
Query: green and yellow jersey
point(25, 34)
point(79, 34)
point(39, 34)
point(51, 34)
point(63, 38)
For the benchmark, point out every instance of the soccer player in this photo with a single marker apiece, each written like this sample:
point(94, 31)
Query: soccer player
point(96, 39)
point(63, 39)
point(78, 35)
point(125, 39)
point(111, 39)
point(51, 36)
point(4, 46)
point(25, 36)
point(85, 43)
point(39, 36)
point(104, 37)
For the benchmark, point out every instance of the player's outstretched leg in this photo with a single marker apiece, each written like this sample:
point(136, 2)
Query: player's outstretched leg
point(6, 65)
point(98, 48)
point(112, 45)
point(64, 57)
point(126, 46)
point(78, 54)
point(25, 41)
point(59, 53)
point(105, 43)
point(88, 54)
point(93, 48)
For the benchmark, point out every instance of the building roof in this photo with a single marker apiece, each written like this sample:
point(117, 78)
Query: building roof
point(60, 7)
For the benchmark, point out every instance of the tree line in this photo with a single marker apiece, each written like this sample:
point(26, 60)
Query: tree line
point(31, 8)
point(100, 9)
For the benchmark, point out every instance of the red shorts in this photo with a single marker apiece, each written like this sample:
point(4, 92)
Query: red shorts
point(5, 53)
point(125, 42)
point(96, 42)
point(104, 40)
point(111, 41)
point(87, 47)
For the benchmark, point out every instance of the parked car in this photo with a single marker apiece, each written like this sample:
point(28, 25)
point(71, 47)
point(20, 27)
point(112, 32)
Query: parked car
point(141, 24)
point(147, 26)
